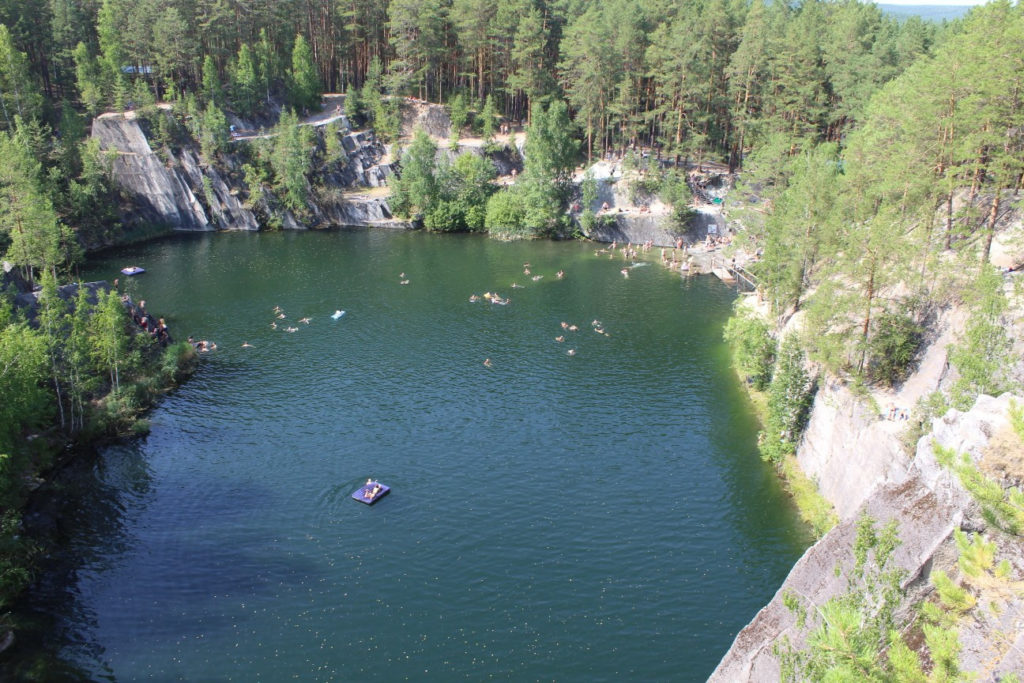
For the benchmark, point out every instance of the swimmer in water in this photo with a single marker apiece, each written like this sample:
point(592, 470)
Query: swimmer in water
point(560, 274)
point(571, 352)
point(573, 328)
point(281, 316)
point(565, 325)
point(291, 329)
point(404, 282)
point(305, 320)
point(277, 309)
point(473, 298)
point(273, 326)
point(595, 322)
point(560, 338)
point(487, 362)
point(526, 271)
point(625, 272)
point(246, 345)
point(537, 277)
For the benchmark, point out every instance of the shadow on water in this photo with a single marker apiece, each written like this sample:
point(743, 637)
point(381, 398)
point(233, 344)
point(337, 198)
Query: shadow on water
point(87, 517)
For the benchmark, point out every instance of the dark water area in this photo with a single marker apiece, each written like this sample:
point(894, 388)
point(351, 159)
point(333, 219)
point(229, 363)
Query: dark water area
point(561, 517)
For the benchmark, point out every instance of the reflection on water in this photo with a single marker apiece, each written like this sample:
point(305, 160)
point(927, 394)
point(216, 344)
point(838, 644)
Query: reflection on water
point(553, 516)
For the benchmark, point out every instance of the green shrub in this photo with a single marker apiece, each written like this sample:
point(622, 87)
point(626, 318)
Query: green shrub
point(895, 342)
point(506, 216)
point(752, 344)
point(789, 401)
point(444, 216)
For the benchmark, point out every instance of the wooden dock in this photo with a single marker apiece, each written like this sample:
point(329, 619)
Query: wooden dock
point(723, 274)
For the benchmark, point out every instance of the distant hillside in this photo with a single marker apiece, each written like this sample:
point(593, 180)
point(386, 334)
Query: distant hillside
point(926, 12)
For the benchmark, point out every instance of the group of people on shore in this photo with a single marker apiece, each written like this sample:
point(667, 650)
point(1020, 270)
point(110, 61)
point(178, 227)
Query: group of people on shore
point(154, 327)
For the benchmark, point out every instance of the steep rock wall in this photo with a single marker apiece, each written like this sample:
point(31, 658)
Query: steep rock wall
point(159, 195)
point(850, 448)
point(849, 451)
point(177, 191)
point(928, 505)
point(925, 524)
point(635, 228)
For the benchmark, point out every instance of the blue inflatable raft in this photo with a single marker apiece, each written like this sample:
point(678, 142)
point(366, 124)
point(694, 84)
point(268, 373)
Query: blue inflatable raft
point(371, 492)
point(133, 270)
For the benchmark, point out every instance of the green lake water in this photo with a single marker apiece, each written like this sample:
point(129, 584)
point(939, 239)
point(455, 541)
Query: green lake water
point(600, 516)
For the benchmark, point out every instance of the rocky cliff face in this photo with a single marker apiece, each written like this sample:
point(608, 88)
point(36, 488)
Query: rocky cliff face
point(177, 191)
point(925, 525)
point(861, 468)
point(635, 228)
point(159, 193)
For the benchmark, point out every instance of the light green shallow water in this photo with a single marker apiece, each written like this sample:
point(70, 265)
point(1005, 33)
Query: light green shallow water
point(590, 517)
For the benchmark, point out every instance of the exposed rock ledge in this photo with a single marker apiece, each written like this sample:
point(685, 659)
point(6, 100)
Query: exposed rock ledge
point(175, 191)
point(928, 503)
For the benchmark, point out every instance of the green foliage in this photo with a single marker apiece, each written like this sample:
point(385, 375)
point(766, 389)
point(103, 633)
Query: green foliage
point(304, 88)
point(416, 190)
point(977, 555)
point(458, 110)
point(256, 177)
point(506, 215)
point(1003, 508)
point(28, 222)
point(789, 400)
point(801, 229)
point(178, 361)
point(904, 662)
point(370, 95)
point(488, 119)
point(944, 648)
point(850, 632)
point(19, 95)
point(245, 82)
point(749, 335)
point(291, 158)
point(588, 190)
point(952, 596)
point(108, 337)
point(24, 403)
point(673, 190)
point(353, 105)
point(334, 151)
point(892, 347)
point(445, 216)
point(1017, 419)
point(89, 79)
point(213, 133)
point(793, 604)
point(213, 91)
point(985, 350)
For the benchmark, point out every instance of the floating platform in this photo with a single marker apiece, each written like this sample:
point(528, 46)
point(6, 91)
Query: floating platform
point(132, 270)
point(371, 492)
point(337, 314)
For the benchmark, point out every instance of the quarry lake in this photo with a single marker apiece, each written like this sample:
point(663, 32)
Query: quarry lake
point(596, 516)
